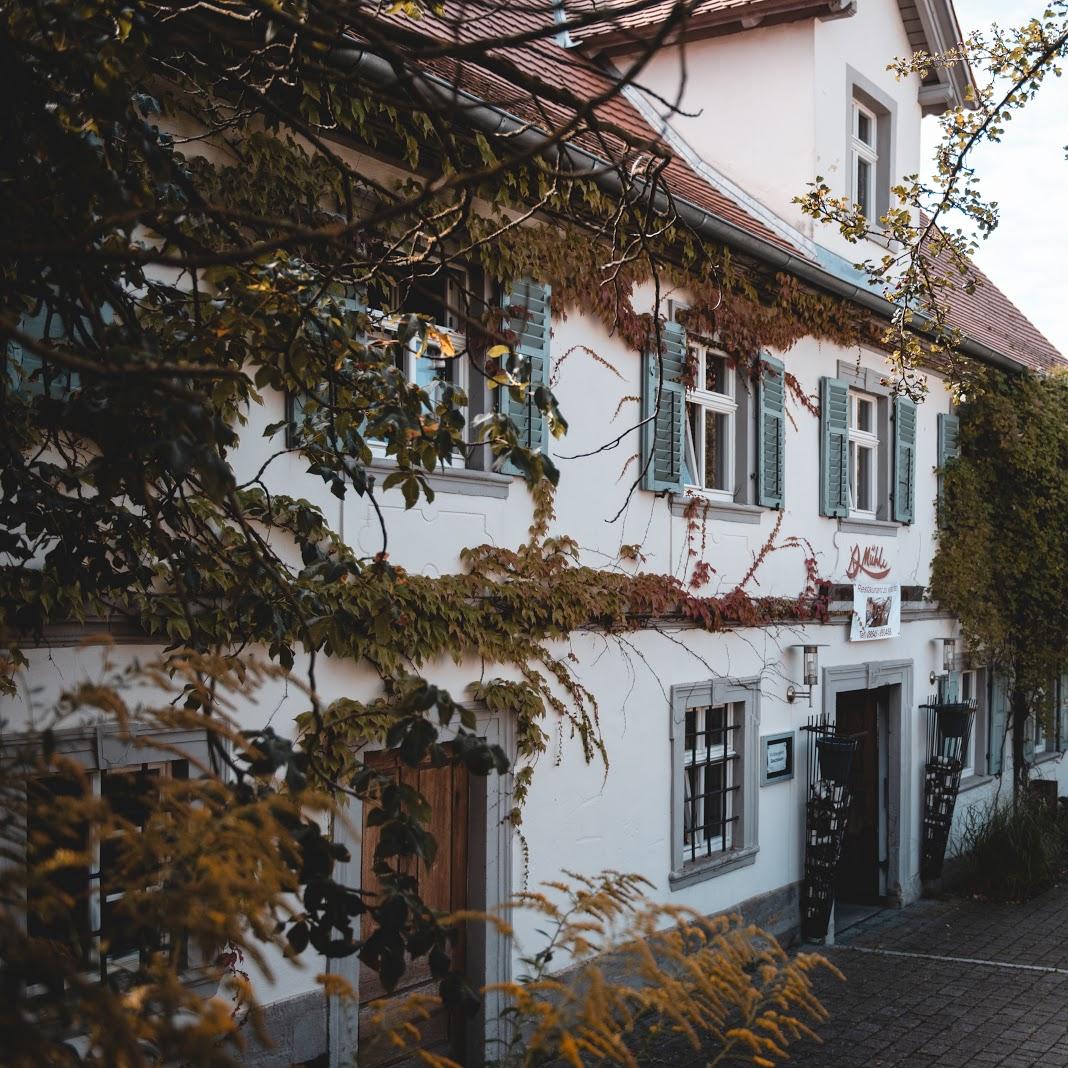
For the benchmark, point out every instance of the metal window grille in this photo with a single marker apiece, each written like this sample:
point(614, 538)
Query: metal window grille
point(710, 760)
point(104, 940)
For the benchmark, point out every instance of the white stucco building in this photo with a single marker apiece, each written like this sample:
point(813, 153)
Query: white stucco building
point(705, 795)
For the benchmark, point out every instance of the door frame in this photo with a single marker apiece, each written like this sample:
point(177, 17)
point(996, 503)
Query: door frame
point(902, 884)
point(489, 953)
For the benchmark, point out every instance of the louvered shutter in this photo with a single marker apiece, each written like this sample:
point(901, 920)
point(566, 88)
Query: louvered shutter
point(999, 716)
point(527, 316)
point(664, 428)
point(834, 447)
point(948, 445)
point(1062, 714)
point(904, 460)
point(351, 304)
point(771, 434)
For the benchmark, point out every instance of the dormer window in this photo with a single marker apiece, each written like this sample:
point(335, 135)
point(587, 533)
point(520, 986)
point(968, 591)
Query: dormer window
point(869, 150)
point(865, 160)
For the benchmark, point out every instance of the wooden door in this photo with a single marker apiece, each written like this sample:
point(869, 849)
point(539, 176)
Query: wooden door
point(443, 886)
point(857, 713)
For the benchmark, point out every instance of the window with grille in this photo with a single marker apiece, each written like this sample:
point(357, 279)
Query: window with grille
point(710, 759)
point(103, 940)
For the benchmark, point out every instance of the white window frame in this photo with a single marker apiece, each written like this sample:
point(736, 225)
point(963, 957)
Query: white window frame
point(868, 440)
point(455, 281)
point(969, 680)
point(705, 400)
point(386, 322)
point(1044, 742)
point(862, 150)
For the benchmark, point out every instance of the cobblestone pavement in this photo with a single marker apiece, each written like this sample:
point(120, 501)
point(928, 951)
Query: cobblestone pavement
point(949, 983)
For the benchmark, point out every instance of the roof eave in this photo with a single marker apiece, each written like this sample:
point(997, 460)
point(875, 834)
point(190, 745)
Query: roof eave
point(619, 41)
point(955, 85)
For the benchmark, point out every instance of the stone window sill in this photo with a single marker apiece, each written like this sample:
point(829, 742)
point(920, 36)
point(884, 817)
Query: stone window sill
point(709, 868)
point(973, 782)
point(881, 527)
point(1042, 758)
point(720, 511)
point(453, 479)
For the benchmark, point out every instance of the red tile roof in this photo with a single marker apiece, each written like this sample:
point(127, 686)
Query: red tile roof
point(988, 316)
point(615, 31)
point(553, 65)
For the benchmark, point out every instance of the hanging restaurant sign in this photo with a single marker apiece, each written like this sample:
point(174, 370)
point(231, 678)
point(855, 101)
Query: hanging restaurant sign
point(876, 611)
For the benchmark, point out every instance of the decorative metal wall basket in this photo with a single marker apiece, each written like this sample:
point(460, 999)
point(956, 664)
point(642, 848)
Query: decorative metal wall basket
point(835, 757)
point(954, 719)
point(830, 762)
point(949, 731)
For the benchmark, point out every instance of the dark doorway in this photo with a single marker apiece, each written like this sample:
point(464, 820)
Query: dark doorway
point(863, 869)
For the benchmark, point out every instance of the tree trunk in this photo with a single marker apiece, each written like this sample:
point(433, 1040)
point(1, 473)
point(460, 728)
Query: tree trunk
point(1020, 767)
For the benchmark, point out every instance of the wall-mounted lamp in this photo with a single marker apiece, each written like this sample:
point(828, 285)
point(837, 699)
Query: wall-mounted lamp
point(811, 665)
point(949, 657)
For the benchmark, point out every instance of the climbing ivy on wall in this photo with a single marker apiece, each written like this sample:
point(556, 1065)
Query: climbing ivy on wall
point(193, 230)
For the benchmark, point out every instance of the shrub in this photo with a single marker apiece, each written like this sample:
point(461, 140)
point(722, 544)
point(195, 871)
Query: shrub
point(1012, 852)
point(641, 979)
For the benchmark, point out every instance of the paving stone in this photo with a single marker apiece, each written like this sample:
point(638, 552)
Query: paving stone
point(950, 1013)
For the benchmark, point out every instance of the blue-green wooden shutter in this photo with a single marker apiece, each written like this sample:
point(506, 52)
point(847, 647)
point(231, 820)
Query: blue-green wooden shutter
point(352, 303)
point(1030, 733)
point(664, 428)
point(834, 447)
point(999, 716)
point(1062, 713)
point(531, 326)
point(948, 445)
point(21, 365)
point(771, 434)
point(904, 460)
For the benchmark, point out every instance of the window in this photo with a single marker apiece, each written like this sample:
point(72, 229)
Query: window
point(434, 364)
point(94, 929)
point(711, 411)
point(30, 374)
point(863, 455)
point(864, 167)
point(715, 778)
point(444, 298)
point(969, 692)
point(1045, 740)
point(709, 755)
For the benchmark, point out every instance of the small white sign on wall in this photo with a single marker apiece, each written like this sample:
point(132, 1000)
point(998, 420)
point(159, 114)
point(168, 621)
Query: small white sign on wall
point(876, 611)
point(778, 763)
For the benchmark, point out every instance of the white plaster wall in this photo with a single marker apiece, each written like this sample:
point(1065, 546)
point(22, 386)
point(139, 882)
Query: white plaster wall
point(752, 101)
point(868, 42)
point(577, 816)
point(769, 107)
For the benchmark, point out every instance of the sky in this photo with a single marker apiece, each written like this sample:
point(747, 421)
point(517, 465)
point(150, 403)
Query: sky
point(1027, 173)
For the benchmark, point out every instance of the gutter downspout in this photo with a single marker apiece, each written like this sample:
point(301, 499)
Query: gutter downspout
point(492, 120)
